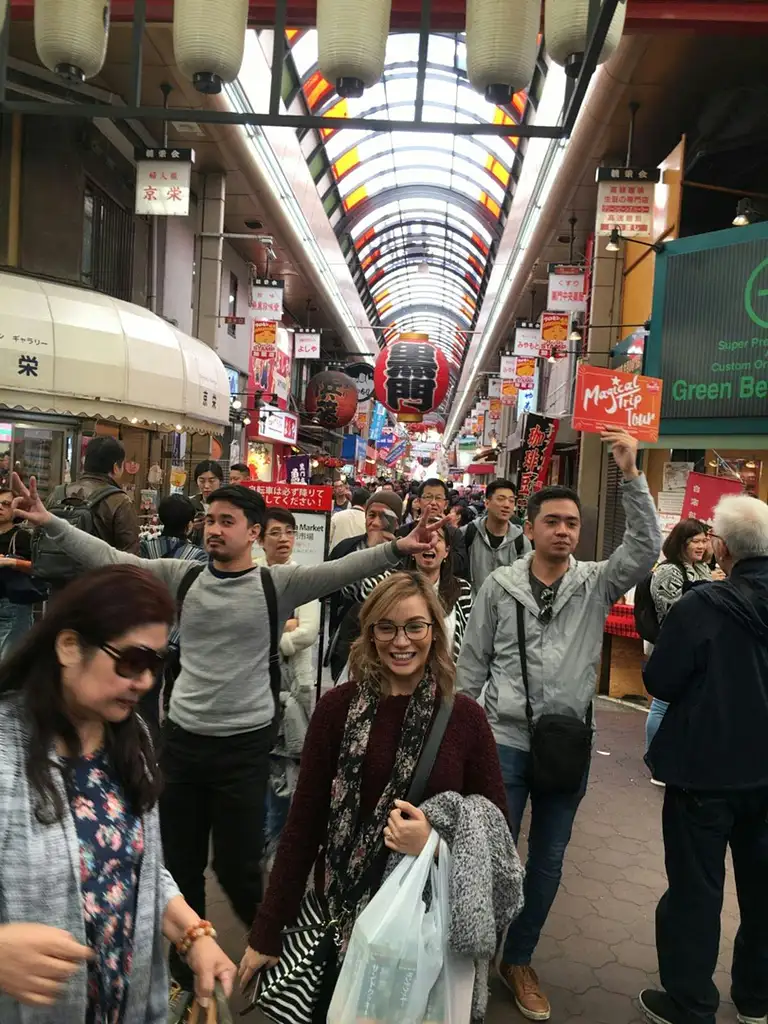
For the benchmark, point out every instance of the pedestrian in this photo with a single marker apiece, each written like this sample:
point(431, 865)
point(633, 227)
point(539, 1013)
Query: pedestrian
point(209, 476)
point(710, 665)
point(86, 900)
point(340, 496)
point(239, 473)
point(15, 546)
point(495, 538)
point(360, 756)
point(533, 645)
point(351, 521)
point(219, 731)
point(460, 514)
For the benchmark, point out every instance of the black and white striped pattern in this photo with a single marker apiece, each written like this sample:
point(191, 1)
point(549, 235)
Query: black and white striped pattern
point(289, 991)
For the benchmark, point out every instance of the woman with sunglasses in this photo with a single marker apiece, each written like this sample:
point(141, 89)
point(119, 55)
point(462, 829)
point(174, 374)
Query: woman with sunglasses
point(85, 900)
point(360, 755)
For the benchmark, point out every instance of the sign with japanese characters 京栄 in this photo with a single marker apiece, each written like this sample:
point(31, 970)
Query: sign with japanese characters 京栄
point(162, 182)
point(267, 298)
point(625, 200)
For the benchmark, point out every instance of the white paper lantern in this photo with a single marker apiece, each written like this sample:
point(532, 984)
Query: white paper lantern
point(501, 46)
point(565, 32)
point(352, 42)
point(208, 41)
point(71, 36)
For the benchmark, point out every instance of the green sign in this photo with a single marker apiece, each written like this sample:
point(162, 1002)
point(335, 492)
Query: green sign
point(709, 337)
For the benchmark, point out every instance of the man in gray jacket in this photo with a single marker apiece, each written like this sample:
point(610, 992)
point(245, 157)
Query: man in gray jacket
point(565, 604)
point(494, 540)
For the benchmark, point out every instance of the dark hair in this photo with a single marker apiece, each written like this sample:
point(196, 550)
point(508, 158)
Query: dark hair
point(244, 498)
point(209, 466)
point(99, 607)
point(677, 541)
point(434, 482)
point(448, 587)
point(554, 493)
point(103, 454)
point(280, 515)
point(239, 467)
point(466, 514)
point(499, 485)
point(176, 512)
point(360, 496)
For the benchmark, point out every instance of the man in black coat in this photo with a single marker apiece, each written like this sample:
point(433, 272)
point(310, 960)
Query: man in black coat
point(711, 665)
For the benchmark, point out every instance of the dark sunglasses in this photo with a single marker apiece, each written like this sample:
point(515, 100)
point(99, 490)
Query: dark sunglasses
point(547, 604)
point(133, 662)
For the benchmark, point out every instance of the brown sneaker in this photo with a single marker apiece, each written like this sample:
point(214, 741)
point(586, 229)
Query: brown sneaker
point(522, 981)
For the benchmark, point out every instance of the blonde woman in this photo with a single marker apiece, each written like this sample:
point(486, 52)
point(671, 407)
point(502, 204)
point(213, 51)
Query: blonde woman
point(360, 755)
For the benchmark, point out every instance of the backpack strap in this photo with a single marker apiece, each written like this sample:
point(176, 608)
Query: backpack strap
point(102, 493)
point(470, 533)
point(275, 675)
point(187, 581)
point(520, 544)
point(429, 753)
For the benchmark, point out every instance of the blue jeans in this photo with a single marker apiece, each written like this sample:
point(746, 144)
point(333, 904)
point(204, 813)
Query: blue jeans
point(552, 819)
point(655, 715)
point(15, 622)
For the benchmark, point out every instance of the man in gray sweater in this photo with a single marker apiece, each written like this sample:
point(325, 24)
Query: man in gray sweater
point(219, 732)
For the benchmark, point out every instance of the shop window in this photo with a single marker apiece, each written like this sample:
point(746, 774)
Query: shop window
point(234, 284)
point(108, 239)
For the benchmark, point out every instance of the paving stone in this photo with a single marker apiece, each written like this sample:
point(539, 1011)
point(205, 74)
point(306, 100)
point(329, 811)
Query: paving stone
point(619, 910)
point(560, 927)
point(633, 893)
point(633, 954)
point(626, 981)
point(606, 873)
point(615, 858)
point(565, 972)
point(591, 952)
point(594, 926)
point(624, 845)
point(573, 906)
point(577, 885)
point(655, 880)
point(602, 1007)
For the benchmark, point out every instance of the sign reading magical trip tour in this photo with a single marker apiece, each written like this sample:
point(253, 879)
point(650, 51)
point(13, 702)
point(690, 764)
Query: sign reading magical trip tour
point(610, 398)
point(411, 377)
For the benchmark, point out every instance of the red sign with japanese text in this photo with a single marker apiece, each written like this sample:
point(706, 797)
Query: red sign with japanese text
point(702, 493)
point(538, 445)
point(610, 398)
point(296, 497)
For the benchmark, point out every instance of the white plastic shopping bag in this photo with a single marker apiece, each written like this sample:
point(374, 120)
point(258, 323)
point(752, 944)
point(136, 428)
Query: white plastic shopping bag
point(395, 952)
point(450, 1001)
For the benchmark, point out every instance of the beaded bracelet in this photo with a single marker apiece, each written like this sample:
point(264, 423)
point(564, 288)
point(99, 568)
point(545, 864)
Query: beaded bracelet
point(193, 933)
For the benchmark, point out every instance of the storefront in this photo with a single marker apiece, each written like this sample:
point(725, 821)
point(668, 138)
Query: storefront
point(272, 434)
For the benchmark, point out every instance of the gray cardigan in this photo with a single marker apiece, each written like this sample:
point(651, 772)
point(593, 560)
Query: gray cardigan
point(40, 883)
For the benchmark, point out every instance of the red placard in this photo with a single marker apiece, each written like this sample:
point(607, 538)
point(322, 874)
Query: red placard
point(296, 497)
point(702, 493)
point(538, 445)
point(611, 398)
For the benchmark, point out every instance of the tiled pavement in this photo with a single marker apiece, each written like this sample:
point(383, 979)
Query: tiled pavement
point(597, 951)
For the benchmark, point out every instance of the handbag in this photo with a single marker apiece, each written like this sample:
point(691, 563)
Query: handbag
point(18, 587)
point(561, 745)
point(303, 977)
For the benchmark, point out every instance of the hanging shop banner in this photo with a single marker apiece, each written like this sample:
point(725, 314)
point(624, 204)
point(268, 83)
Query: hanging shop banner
point(267, 298)
point(508, 392)
point(494, 387)
point(554, 333)
point(396, 453)
point(567, 288)
point(362, 375)
point(538, 444)
point(625, 200)
point(527, 339)
point(270, 372)
point(494, 408)
point(378, 422)
point(508, 367)
point(703, 492)
point(525, 374)
point(362, 420)
point(306, 344)
point(611, 398)
point(264, 337)
point(297, 469)
point(163, 178)
point(296, 498)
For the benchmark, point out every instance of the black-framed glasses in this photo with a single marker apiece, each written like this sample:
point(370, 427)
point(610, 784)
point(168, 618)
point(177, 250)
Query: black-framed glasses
point(133, 662)
point(546, 601)
point(416, 629)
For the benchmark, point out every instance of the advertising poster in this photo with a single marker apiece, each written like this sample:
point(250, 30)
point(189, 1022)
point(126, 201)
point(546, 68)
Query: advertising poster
point(554, 333)
point(703, 492)
point(494, 409)
point(508, 392)
point(525, 374)
point(264, 336)
point(538, 445)
point(611, 398)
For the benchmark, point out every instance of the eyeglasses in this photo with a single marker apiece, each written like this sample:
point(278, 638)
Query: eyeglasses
point(416, 629)
point(278, 534)
point(6, 504)
point(133, 662)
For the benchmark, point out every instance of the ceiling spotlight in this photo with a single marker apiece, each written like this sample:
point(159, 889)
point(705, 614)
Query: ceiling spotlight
point(179, 428)
point(613, 241)
point(236, 403)
point(134, 419)
point(744, 213)
point(575, 334)
point(551, 358)
point(246, 421)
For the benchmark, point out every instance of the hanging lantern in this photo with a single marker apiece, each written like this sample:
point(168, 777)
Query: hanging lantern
point(71, 36)
point(411, 377)
point(351, 41)
point(331, 399)
point(565, 33)
point(208, 41)
point(501, 46)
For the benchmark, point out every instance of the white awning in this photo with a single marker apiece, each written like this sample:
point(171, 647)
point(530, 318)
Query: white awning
point(74, 352)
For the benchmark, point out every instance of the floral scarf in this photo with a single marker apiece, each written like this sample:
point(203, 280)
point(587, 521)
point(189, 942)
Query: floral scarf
point(354, 846)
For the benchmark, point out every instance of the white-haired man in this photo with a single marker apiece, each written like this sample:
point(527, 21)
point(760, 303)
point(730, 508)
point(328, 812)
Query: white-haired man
point(711, 665)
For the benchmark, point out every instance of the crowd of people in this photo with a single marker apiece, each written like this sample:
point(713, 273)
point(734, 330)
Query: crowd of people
point(161, 716)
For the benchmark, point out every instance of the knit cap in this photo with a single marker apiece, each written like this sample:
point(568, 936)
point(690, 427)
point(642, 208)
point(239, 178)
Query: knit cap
point(388, 498)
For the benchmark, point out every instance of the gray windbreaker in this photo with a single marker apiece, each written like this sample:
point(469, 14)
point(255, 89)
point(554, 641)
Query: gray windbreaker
point(483, 559)
point(563, 654)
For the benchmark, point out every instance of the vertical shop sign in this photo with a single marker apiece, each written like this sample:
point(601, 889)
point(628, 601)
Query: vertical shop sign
point(494, 387)
point(525, 374)
point(554, 334)
point(267, 298)
point(567, 291)
point(378, 422)
point(297, 469)
point(508, 392)
point(625, 200)
point(508, 367)
point(538, 444)
point(163, 178)
point(527, 339)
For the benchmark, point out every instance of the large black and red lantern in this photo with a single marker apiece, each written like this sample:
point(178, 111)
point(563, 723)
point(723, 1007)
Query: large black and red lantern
point(331, 399)
point(411, 377)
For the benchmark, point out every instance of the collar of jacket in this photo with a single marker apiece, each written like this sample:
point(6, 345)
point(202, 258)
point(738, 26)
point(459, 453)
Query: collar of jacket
point(515, 579)
point(513, 532)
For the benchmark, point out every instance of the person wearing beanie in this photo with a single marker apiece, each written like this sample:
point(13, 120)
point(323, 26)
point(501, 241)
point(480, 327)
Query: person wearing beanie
point(350, 522)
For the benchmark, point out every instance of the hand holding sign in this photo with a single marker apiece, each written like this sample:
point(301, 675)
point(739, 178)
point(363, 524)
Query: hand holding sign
point(624, 448)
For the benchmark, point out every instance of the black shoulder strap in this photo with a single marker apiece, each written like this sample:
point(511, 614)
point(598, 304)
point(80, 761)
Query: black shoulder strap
point(524, 663)
point(429, 753)
point(186, 582)
point(469, 534)
point(520, 544)
point(275, 675)
point(103, 492)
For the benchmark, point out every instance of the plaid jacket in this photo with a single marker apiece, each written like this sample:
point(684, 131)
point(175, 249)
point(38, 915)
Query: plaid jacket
point(40, 882)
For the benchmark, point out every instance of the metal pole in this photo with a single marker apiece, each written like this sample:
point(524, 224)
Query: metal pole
point(137, 45)
point(594, 48)
point(278, 57)
point(5, 32)
point(633, 109)
point(421, 72)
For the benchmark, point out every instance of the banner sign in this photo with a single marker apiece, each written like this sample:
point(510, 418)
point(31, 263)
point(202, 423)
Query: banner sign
point(554, 333)
point(378, 422)
point(508, 367)
point(294, 497)
point(494, 409)
point(703, 492)
point(163, 178)
point(528, 340)
point(297, 469)
point(274, 425)
point(494, 387)
point(625, 198)
point(362, 375)
point(610, 398)
point(538, 444)
point(525, 374)
point(267, 298)
point(567, 288)
point(264, 337)
point(508, 392)
point(395, 453)
point(306, 344)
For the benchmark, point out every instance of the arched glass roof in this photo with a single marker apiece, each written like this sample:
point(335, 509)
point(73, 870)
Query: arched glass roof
point(418, 215)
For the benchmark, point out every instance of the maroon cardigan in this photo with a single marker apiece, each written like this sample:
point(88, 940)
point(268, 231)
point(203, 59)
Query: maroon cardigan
point(466, 763)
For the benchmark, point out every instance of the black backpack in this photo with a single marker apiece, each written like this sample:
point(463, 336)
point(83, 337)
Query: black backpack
point(646, 621)
point(49, 562)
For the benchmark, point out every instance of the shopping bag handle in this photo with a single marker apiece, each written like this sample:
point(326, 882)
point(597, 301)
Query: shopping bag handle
point(210, 1017)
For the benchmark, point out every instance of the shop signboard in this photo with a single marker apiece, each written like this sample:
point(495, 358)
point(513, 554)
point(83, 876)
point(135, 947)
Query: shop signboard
point(703, 492)
point(362, 375)
point(608, 398)
point(527, 339)
point(297, 469)
point(494, 409)
point(539, 438)
point(306, 344)
point(396, 453)
point(378, 422)
point(525, 374)
point(508, 392)
point(508, 367)
point(275, 425)
point(567, 288)
point(163, 178)
point(267, 298)
point(264, 337)
point(554, 333)
point(625, 198)
point(494, 387)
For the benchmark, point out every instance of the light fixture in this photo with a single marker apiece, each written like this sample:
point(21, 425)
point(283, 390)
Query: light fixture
point(749, 212)
point(575, 334)
point(551, 358)
point(352, 42)
point(566, 23)
point(612, 244)
point(750, 464)
point(246, 421)
point(179, 428)
point(616, 236)
point(71, 36)
point(208, 41)
point(501, 46)
point(315, 463)
point(134, 419)
point(236, 403)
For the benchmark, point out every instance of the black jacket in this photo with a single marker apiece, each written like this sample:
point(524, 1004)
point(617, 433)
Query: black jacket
point(711, 664)
point(340, 603)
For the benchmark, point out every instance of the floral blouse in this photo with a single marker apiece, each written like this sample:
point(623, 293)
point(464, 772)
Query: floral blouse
point(111, 842)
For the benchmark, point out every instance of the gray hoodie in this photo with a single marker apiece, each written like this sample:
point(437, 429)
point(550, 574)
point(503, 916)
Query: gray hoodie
point(483, 559)
point(563, 654)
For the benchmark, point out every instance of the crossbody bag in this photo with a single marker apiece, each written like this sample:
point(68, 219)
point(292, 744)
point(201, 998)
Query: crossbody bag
point(561, 745)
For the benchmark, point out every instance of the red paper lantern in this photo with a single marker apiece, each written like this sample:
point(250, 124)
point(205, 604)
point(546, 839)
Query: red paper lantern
point(411, 377)
point(331, 399)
